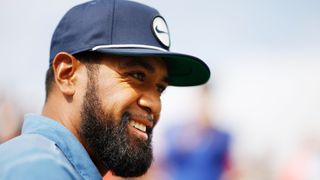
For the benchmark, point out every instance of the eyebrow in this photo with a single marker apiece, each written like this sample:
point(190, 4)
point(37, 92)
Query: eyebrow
point(136, 63)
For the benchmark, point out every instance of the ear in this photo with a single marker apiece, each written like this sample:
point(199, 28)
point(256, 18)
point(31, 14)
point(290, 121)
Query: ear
point(64, 67)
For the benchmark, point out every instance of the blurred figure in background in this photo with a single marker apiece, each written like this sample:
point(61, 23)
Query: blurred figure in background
point(198, 150)
point(303, 162)
point(10, 119)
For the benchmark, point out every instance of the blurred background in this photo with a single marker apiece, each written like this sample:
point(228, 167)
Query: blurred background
point(262, 105)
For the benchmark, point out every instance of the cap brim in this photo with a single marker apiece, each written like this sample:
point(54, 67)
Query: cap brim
point(184, 70)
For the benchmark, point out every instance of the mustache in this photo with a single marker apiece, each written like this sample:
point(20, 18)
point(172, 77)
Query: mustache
point(128, 115)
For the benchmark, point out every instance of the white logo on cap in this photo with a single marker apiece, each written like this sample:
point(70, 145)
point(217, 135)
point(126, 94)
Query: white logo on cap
point(161, 31)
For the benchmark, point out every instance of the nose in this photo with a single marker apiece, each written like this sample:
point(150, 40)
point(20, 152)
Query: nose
point(151, 103)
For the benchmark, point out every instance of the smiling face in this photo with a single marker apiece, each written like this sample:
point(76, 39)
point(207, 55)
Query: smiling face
point(120, 108)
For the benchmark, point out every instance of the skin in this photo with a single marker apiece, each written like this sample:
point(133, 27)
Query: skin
point(124, 84)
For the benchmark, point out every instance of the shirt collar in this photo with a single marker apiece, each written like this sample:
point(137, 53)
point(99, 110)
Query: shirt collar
point(65, 140)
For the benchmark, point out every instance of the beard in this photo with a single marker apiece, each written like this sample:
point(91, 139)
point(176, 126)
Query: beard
point(109, 140)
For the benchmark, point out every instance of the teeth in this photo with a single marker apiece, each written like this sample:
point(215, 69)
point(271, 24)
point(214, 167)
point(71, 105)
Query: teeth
point(139, 126)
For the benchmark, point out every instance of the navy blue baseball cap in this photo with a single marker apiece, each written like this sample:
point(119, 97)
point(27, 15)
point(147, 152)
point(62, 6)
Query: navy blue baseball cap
point(121, 27)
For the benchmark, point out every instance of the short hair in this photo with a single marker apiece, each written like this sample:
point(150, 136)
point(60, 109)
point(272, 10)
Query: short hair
point(86, 57)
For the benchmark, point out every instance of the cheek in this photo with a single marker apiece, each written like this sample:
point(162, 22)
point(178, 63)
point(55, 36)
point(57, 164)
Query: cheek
point(115, 93)
point(117, 98)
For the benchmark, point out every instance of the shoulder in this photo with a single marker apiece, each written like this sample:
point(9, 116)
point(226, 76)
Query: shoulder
point(26, 145)
point(32, 156)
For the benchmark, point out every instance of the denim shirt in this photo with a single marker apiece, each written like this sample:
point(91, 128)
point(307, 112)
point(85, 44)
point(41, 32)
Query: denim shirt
point(45, 150)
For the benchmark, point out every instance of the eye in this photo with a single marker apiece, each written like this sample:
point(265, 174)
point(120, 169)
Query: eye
point(161, 88)
point(138, 75)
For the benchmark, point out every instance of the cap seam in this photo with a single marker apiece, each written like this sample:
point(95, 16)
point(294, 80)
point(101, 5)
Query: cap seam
point(112, 21)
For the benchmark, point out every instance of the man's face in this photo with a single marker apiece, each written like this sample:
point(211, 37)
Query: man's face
point(120, 108)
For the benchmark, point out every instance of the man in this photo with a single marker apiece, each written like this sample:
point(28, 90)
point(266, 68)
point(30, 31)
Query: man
point(203, 152)
point(109, 64)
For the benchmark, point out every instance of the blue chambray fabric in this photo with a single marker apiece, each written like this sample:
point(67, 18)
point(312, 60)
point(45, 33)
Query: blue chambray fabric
point(45, 150)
